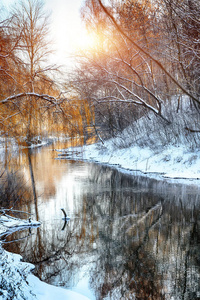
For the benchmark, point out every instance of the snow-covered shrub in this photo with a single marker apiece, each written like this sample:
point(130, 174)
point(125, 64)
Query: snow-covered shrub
point(13, 275)
point(155, 132)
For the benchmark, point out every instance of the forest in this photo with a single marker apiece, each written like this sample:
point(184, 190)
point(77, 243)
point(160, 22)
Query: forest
point(145, 65)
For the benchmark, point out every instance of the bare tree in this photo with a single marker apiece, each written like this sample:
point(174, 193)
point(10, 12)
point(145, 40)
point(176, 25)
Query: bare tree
point(30, 22)
point(145, 52)
point(33, 94)
point(139, 67)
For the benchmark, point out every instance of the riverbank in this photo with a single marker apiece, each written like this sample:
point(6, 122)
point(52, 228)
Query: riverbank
point(172, 162)
point(16, 280)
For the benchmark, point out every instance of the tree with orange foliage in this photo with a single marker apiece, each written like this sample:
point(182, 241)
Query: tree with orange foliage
point(32, 92)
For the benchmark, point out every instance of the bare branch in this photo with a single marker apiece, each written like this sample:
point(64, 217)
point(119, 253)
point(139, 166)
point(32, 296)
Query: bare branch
point(118, 27)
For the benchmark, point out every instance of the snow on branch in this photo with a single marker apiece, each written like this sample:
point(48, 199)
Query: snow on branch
point(147, 54)
point(45, 97)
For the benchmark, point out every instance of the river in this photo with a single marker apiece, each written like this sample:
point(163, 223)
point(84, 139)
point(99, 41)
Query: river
point(128, 237)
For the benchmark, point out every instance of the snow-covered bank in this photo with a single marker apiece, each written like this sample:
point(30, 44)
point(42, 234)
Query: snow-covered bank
point(16, 280)
point(152, 146)
point(169, 162)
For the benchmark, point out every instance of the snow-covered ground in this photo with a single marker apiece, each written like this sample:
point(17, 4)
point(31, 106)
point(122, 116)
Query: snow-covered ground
point(16, 280)
point(169, 162)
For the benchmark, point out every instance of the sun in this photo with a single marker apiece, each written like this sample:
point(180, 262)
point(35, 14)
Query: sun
point(87, 41)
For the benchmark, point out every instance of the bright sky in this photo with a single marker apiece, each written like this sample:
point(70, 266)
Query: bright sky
point(67, 29)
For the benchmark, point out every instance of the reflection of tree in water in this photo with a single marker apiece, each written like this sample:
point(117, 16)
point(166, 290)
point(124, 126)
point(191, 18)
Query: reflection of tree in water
point(141, 236)
point(124, 267)
point(147, 246)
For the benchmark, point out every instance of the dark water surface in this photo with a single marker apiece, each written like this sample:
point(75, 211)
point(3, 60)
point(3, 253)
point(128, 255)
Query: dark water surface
point(128, 237)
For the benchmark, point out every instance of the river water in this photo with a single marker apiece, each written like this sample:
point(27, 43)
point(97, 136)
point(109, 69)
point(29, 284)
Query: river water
point(128, 237)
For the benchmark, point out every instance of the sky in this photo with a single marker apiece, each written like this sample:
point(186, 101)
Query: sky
point(67, 29)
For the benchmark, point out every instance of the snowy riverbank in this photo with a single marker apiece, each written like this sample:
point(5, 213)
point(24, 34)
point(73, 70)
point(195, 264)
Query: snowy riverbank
point(16, 280)
point(149, 145)
point(169, 162)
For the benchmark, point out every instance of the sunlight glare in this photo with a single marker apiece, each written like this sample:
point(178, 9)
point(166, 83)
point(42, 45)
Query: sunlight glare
point(86, 41)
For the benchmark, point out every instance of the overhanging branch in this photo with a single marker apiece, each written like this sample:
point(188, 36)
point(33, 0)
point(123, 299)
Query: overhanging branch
point(146, 53)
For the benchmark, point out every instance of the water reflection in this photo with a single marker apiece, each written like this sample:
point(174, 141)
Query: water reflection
point(127, 238)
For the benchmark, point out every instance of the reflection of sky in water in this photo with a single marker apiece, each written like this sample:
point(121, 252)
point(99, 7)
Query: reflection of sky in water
point(69, 190)
point(83, 286)
point(68, 194)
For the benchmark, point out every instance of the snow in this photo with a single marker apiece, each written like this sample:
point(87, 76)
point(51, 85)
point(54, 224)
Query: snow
point(175, 162)
point(9, 224)
point(46, 291)
point(16, 280)
point(18, 283)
